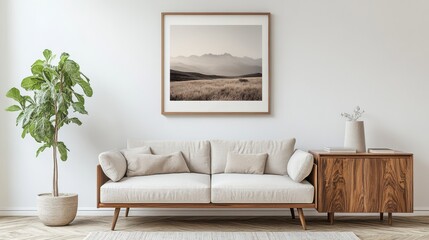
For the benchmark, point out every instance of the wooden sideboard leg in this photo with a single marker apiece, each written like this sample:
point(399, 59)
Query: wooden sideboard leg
point(115, 218)
point(389, 218)
point(381, 216)
point(292, 213)
point(302, 218)
point(127, 211)
point(331, 217)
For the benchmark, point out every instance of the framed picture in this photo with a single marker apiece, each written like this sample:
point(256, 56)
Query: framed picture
point(215, 63)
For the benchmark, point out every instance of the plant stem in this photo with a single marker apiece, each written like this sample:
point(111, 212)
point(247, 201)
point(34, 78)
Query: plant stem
point(55, 143)
point(55, 175)
point(54, 149)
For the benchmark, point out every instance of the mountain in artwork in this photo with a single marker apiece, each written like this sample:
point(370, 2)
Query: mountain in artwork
point(213, 64)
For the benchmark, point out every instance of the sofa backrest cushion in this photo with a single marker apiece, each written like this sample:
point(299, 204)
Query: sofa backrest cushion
point(279, 152)
point(196, 153)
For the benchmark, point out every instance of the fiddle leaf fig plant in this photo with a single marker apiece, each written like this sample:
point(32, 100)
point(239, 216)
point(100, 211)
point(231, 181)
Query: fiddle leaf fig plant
point(53, 94)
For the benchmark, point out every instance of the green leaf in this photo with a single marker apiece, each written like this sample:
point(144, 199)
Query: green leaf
point(27, 114)
point(28, 99)
point(49, 74)
point(42, 96)
point(80, 98)
point(51, 89)
point(13, 108)
point(84, 76)
point(63, 59)
point(78, 107)
point(74, 120)
point(42, 148)
point(71, 68)
point(27, 83)
point(32, 130)
point(63, 150)
point(48, 54)
point(37, 67)
point(43, 130)
point(85, 86)
point(19, 118)
point(25, 130)
point(31, 83)
point(14, 94)
point(60, 100)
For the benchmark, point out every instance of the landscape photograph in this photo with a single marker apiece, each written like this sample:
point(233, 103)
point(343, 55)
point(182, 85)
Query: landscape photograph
point(216, 63)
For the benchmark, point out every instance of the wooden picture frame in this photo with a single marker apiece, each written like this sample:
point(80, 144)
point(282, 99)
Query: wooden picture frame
point(215, 63)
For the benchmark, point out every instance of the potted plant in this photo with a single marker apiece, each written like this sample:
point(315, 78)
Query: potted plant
point(355, 131)
point(42, 114)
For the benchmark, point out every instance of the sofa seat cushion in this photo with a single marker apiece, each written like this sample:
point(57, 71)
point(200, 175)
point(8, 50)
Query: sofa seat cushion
point(253, 188)
point(160, 188)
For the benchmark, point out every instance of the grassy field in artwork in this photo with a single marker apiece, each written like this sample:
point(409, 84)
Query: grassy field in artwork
point(223, 89)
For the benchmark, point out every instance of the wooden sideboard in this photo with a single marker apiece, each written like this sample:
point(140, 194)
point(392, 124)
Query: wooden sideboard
point(364, 183)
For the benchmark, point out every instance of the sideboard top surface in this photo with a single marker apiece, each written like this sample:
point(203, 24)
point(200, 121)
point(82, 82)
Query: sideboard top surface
point(319, 153)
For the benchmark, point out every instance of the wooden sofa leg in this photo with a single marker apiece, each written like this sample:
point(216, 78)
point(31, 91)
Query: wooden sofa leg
point(115, 218)
point(292, 213)
point(127, 210)
point(302, 218)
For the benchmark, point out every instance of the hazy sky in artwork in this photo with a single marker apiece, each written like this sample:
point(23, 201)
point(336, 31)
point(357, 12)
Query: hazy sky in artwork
point(237, 40)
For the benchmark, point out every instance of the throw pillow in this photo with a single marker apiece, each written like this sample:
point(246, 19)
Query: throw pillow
point(148, 164)
point(114, 163)
point(300, 165)
point(246, 163)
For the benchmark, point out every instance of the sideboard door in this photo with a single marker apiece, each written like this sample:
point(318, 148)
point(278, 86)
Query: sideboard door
point(388, 184)
point(342, 184)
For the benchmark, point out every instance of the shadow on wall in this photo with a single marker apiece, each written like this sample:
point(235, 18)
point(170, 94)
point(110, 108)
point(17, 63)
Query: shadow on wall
point(5, 124)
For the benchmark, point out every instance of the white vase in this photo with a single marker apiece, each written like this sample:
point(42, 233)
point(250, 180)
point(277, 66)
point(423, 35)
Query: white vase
point(355, 136)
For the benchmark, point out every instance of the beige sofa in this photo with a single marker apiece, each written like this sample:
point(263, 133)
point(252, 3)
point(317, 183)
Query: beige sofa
point(207, 185)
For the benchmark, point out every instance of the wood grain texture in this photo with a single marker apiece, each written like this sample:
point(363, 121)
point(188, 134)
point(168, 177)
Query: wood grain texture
point(341, 187)
point(127, 211)
point(115, 218)
point(101, 179)
point(389, 184)
point(321, 153)
point(302, 218)
point(364, 182)
point(313, 179)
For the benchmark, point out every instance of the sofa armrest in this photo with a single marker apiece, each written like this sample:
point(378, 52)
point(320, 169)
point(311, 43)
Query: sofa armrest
point(101, 179)
point(312, 178)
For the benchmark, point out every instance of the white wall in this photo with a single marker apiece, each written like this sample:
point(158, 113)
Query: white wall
point(327, 57)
